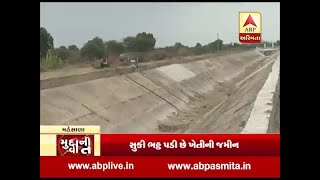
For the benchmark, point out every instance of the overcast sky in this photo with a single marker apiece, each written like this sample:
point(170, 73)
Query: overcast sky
point(188, 23)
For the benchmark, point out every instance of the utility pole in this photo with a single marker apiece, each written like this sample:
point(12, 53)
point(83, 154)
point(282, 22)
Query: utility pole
point(218, 41)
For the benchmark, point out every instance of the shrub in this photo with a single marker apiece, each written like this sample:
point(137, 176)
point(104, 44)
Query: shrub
point(51, 61)
point(75, 57)
point(158, 55)
point(184, 52)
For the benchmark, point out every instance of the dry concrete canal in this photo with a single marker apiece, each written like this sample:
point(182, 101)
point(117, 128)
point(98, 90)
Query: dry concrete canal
point(235, 93)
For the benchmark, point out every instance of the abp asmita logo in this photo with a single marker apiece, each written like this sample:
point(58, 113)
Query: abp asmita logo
point(250, 27)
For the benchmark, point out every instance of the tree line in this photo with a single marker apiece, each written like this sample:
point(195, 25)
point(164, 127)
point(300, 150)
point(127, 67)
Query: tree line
point(143, 43)
point(97, 48)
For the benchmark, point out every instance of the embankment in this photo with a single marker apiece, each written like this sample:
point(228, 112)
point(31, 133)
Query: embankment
point(264, 116)
point(139, 102)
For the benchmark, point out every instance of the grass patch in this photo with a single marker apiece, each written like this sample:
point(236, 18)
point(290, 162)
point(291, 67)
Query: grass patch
point(51, 61)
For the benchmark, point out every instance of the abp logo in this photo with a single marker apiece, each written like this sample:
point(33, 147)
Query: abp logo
point(250, 27)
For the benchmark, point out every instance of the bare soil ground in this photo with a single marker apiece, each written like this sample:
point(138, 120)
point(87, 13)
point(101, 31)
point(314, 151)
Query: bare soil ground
point(85, 67)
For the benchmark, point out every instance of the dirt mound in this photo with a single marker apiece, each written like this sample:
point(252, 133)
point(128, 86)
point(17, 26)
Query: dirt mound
point(96, 64)
point(114, 61)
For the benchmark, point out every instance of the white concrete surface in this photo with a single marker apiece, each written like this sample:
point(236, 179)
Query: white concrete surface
point(176, 72)
point(259, 117)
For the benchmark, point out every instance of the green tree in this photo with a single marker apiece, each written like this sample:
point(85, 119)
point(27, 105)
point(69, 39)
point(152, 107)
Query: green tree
point(214, 46)
point(46, 42)
point(145, 42)
point(93, 49)
point(130, 43)
point(198, 49)
point(141, 42)
point(62, 52)
point(114, 48)
point(178, 45)
point(73, 48)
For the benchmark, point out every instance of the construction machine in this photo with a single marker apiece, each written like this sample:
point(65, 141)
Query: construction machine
point(126, 59)
point(130, 60)
point(100, 63)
